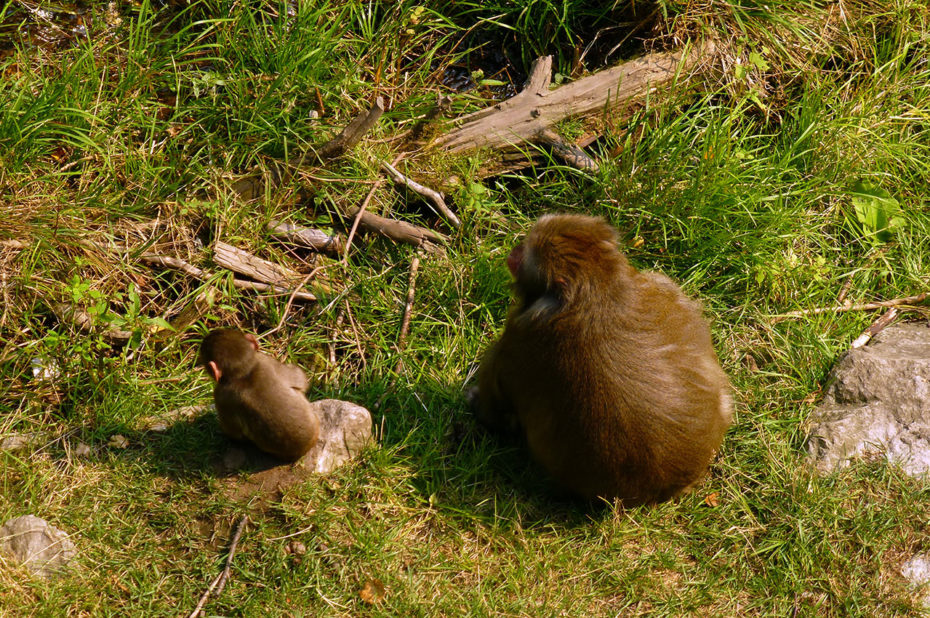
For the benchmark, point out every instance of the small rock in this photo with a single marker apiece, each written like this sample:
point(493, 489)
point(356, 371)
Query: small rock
point(31, 541)
point(917, 569)
point(876, 404)
point(81, 450)
point(345, 429)
point(118, 441)
point(16, 441)
point(45, 369)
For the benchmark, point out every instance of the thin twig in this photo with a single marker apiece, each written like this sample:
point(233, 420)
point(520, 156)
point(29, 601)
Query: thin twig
point(305, 237)
point(361, 212)
point(408, 307)
point(876, 327)
point(354, 132)
point(197, 273)
point(219, 582)
point(883, 304)
point(340, 316)
point(358, 341)
point(357, 220)
point(426, 192)
point(290, 300)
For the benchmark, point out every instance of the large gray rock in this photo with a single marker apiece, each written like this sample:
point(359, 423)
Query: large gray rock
point(877, 402)
point(31, 541)
point(345, 429)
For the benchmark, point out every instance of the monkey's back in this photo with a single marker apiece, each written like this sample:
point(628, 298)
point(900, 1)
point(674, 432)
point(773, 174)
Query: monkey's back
point(265, 410)
point(635, 404)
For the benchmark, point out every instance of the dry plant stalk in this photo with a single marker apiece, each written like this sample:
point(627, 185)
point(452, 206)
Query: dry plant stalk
point(219, 582)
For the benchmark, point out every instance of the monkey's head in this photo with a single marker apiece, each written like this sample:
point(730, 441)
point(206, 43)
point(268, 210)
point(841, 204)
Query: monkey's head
point(562, 258)
point(227, 352)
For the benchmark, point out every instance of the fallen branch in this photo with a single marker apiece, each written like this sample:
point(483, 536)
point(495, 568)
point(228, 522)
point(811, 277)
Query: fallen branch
point(353, 133)
point(198, 273)
point(173, 263)
point(529, 116)
point(400, 231)
point(310, 238)
point(219, 582)
point(883, 304)
point(244, 263)
point(431, 195)
point(876, 327)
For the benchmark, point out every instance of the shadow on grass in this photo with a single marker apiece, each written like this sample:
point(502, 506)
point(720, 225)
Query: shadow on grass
point(462, 468)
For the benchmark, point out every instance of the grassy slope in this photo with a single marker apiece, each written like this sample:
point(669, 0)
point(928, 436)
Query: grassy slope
point(739, 189)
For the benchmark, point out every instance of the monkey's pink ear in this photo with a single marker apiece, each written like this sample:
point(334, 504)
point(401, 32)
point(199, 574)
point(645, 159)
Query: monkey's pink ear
point(251, 339)
point(214, 371)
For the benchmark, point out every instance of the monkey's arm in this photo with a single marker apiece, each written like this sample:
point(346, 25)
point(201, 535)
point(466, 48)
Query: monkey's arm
point(490, 403)
point(291, 375)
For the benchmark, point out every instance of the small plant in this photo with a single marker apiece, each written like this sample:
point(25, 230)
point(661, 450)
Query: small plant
point(878, 215)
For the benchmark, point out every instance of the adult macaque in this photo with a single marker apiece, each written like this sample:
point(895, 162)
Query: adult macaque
point(258, 398)
point(608, 372)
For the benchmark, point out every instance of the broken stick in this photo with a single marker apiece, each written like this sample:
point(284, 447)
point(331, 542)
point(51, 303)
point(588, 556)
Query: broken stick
point(244, 263)
point(882, 304)
point(353, 133)
point(876, 327)
point(219, 582)
point(567, 151)
point(400, 231)
point(310, 238)
point(408, 309)
point(433, 196)
point(198, 273)
point(408, 306)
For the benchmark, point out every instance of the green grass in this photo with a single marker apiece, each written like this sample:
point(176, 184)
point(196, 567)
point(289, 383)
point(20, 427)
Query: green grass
point(739, 185)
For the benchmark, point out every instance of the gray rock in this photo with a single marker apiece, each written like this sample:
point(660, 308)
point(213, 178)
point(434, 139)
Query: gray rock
point(917, 572)
point(17, 441)
point(345, 429)
point(877, 403)
point(31, 541)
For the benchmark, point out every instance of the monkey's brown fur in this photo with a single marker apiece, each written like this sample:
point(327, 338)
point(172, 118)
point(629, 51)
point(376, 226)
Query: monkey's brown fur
point(258, 398)
point(608, 372)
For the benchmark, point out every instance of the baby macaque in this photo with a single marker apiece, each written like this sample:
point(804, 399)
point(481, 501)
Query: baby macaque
point(609, 373)
point(258, 398)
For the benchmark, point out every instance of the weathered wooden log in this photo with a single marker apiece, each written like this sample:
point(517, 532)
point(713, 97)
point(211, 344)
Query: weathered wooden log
point(525, 117)
point(244, 263)
point(200, 274)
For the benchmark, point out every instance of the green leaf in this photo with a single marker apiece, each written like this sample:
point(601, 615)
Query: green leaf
point(878, 213)
point(759, 61)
